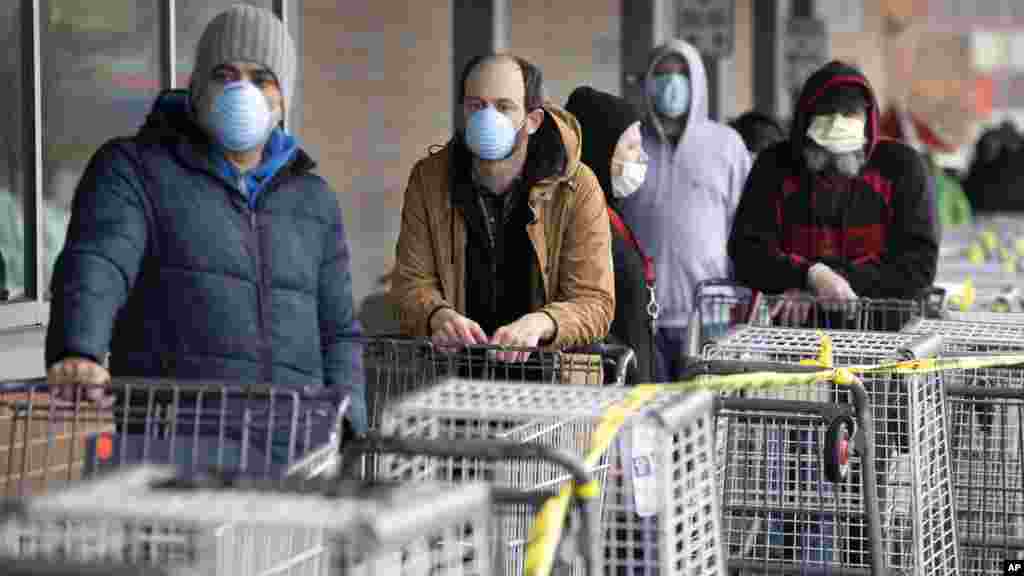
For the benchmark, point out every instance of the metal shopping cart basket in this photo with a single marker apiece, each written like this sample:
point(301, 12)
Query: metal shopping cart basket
point(146, 517)
point(787, 513)
point(265, 430)
point(987, 442)
point(658, 502)
point(397, 366)
point(722, 304)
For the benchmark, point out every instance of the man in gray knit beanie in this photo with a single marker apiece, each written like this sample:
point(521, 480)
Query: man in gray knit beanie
point(244, 44)
point(206, 248)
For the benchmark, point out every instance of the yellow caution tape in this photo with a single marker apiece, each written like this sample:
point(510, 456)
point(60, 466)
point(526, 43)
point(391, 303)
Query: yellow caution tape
point(589, 491)
point(547, 527)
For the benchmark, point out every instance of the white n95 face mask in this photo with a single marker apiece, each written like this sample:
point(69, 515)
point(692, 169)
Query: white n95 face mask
point(240, 117)
point(837, 133)
point(630, 180)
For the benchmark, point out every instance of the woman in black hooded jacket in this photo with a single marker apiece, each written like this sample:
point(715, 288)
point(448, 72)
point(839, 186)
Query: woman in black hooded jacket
point(607, 121)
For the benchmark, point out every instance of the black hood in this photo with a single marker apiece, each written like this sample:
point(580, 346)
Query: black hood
point(828, 78)
point(603, 117)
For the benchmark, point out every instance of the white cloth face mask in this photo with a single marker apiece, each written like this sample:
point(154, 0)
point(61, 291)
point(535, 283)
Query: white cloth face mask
point(626, 183)
point(837, 133)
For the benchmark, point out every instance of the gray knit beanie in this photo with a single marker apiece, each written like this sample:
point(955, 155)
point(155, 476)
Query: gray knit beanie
point(245, 33)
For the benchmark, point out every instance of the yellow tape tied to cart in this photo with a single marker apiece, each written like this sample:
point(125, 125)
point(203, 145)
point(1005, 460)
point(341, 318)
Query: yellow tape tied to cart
point(547, 527)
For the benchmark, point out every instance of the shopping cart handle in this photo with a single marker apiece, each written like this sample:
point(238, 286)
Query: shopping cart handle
point(22, 385)
point(934, 299)
point(929, 346)
point(491, 449)
point(9, 567)
point(731, 367)
point(623, 356)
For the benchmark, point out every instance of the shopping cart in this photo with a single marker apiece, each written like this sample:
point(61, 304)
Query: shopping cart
point(147, 517)
point(778, 508)
point(57, 568)
point(658, 500)
point(986, 409)
point(398, 366)
point(722, 304)
point(265, 430)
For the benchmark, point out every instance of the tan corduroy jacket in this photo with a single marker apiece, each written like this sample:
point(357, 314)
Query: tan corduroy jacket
point(570, 236)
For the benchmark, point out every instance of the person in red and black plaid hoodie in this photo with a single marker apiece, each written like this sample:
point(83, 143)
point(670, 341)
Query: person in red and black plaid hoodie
point(836, 212)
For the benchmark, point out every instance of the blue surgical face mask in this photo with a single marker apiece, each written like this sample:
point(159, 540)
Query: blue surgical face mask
point(240, 117)
point(490, 134)
point(671, 94)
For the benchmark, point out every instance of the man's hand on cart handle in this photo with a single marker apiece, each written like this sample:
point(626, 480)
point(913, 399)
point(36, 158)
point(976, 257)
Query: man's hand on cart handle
point(65, 376)
point(449, 328)
point(828, 286)
point(527, 332)
point(793, 309)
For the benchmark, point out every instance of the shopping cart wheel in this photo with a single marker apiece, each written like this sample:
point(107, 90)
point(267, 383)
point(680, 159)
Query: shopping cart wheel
point(837, 449)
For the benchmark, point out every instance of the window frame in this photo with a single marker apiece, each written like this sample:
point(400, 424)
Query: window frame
point(33, 311)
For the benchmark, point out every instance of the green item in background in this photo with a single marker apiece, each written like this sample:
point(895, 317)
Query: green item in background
point(953, 207)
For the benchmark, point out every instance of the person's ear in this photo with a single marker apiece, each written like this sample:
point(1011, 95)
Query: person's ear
point(533, 120)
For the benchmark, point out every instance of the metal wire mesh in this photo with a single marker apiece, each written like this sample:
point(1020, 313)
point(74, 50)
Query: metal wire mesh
point(126, 520)
point(968, 336)
point(914, 478)
point(988, 452)
point(777, 507)
point(396, 367)
point(987, 444)
point(987, 317)
point(258, 429)
point(721, 306)
point(674, 470)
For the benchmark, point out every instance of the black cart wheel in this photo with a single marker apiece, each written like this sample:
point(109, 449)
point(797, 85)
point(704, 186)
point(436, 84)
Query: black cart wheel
point(838, 442)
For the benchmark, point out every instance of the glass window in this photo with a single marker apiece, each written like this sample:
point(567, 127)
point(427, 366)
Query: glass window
point(192, 16)
point(294, 18)
point(100, 76)
point(13, 150)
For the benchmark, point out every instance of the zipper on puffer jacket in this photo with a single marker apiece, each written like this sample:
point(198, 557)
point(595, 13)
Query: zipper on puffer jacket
point(261, 279)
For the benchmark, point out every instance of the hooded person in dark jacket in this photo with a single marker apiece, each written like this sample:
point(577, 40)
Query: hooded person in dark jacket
point(205, 247)
point(612, 148)
point(993, 182)
point(759, 131)
point(836, 211)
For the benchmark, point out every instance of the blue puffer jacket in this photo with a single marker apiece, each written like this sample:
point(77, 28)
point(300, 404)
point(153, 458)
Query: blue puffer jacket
point(182, 269)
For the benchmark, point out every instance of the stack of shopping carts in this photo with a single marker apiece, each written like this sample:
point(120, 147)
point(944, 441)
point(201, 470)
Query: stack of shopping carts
point(783, 503)
point(987, 442)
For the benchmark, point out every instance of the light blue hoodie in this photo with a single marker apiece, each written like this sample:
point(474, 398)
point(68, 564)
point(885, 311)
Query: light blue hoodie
point(684, 210)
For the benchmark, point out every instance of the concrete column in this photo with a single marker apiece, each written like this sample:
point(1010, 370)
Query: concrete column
point(714, 70)
point(767, 71)
point(642, 29)
point(478, 27)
